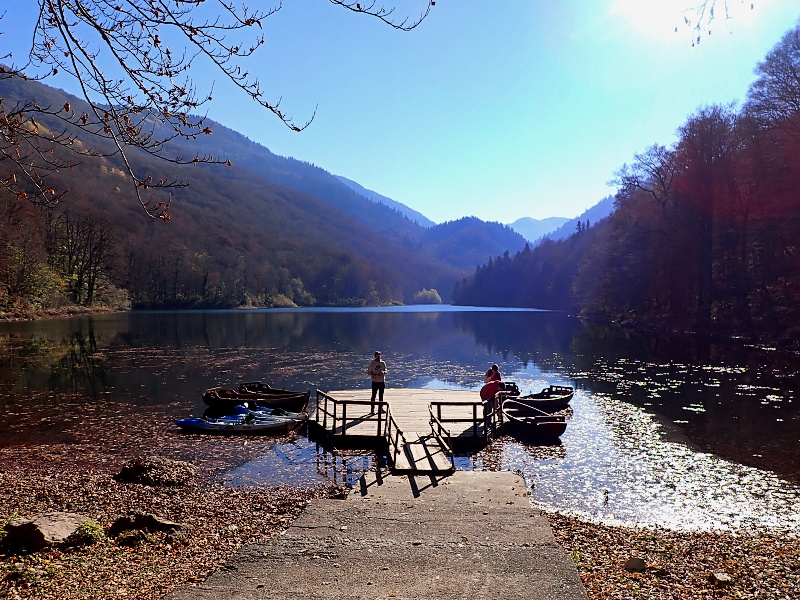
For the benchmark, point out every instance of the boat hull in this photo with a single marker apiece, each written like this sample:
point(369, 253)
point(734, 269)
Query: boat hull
point(242, 423)
point(224, 398)
point(532, 421)
point(550, 399)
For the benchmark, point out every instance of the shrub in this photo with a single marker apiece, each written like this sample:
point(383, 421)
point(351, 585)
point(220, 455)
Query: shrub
point(134, 537)
point(430, 296)
point(87, 533)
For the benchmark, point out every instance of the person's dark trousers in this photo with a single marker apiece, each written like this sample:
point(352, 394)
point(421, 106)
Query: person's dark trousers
point(377, 388)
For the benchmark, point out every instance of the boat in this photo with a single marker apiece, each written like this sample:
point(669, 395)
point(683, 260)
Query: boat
point(266, 412)
point(225, 398)
point(551, 399)
point(263, 389)
point(490, 389)
point(264, 421)
point(532, 420)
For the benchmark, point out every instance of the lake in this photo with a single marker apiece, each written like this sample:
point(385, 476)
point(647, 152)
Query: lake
point(666, 431)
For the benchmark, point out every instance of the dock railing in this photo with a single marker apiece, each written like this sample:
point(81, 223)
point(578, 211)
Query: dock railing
point(395, 438)
point(485, 418)
point(332, 413)
point(493, 415)
point(442, 435)
point(475, 423)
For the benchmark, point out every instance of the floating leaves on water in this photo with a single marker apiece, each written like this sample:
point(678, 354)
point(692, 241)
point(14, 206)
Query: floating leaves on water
point(614, 467)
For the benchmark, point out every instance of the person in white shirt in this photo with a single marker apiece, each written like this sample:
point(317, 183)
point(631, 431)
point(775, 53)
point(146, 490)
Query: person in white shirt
point(377, 372)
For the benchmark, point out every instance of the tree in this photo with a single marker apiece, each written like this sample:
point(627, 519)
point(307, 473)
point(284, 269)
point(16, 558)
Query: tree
point(133, 61)
point(774, 98)
point(25, 279)
point(704, 153)
point(653, 172)
point(79, 247)
point(427, 297)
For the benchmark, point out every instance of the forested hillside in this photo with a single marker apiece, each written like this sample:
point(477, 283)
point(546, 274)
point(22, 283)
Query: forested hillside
point(266, 231)
point(412, 214)
point(587, 218)
point(705, 233)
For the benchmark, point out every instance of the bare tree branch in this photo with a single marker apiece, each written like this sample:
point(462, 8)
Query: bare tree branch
point(701, 17)
point(133, 60)
point(386, 15)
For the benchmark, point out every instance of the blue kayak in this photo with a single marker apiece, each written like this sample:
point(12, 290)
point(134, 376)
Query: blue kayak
point(265, 421)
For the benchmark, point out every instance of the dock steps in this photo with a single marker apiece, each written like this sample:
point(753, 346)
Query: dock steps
point(404, 423)
point(422, 453)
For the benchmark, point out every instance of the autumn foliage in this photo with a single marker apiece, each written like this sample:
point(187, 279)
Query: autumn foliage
point(704, 236)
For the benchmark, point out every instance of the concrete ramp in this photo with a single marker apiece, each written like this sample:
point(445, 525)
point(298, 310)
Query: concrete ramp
point(468, 535)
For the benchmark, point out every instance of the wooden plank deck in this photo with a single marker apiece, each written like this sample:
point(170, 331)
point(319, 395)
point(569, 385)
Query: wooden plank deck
point(419, 449)
point(409, 406)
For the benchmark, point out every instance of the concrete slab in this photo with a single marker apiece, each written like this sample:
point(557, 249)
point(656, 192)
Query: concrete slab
point(471, 535)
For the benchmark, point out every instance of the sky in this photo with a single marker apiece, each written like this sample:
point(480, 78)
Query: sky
point(499, 110)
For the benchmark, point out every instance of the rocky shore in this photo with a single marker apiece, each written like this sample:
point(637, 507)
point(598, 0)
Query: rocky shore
point(613, 562)
point(214, 521)
point(622, 562)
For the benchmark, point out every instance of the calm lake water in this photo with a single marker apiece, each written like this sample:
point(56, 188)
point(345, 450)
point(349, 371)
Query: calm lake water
point(673, 432)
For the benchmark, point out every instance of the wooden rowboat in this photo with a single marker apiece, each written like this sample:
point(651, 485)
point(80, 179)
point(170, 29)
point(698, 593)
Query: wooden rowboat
point(263, 389)
point(509, 388)
point(224, 398)
point(550, 399)
point(532, 420)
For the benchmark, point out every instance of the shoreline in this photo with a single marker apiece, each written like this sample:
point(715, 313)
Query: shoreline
point(220, 520)
point(47, 314)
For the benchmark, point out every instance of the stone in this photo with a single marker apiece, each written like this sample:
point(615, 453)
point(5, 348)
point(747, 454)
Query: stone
point(635, 565)
point(142, 522)
point(41, 531)
point(157, 471)
point(720, 578)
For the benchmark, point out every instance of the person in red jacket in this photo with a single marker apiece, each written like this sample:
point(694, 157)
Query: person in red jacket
point(493, 374)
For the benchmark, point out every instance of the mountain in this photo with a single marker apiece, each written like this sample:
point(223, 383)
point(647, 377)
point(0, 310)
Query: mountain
point(266, 229)
point(591, 215)
point(468, 242)
point(303, 176)
point(533, 229)
point(472, 241)
point(409, 212)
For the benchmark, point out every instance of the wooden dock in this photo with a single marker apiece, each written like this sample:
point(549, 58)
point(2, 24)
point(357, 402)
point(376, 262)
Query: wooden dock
point(420, 426)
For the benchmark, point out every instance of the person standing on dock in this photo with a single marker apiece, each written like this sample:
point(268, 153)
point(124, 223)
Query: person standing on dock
point(493, 384)
point(377, 371)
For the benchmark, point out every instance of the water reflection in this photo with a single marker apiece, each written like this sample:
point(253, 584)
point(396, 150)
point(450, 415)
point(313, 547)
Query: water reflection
point(301, 463)
point(614, 466)
point(672, 431)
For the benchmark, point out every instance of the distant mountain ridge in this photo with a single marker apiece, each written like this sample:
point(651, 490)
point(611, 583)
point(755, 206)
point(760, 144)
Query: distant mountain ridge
point(409, 212)
point(533, 229)
point(591, 215)
point(462, 244)
point(471, 241)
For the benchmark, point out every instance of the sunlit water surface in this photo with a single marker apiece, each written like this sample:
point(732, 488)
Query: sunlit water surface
point(647, 441)
point(614, 466)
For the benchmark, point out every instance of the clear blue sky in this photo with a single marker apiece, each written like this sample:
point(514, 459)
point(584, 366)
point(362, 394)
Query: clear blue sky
point(499, 110)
